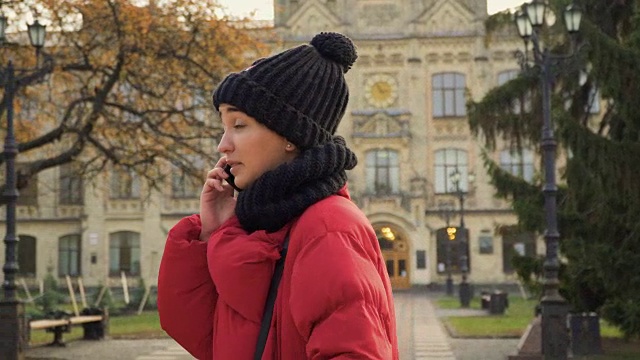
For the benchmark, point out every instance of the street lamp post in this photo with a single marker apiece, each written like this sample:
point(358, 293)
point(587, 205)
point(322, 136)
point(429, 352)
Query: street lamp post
point(12, 331)
point(529, 21)
point(445, 212)
point(464, 290)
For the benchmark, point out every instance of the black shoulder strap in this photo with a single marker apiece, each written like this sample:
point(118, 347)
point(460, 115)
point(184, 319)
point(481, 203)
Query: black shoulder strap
point(271, 299)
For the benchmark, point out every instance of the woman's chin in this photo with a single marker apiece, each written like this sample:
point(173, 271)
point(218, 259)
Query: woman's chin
point(240, 184)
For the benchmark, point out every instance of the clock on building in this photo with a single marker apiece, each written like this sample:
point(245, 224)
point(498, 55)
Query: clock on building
point(381, 90)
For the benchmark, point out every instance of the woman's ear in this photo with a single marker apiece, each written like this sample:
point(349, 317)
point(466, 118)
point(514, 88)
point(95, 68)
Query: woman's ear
point(290, 147)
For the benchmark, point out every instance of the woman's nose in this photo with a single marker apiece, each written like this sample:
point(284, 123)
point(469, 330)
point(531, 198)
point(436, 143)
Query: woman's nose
point(224, 146)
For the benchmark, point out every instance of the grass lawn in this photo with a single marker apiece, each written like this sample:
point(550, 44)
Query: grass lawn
point(515, 320)
point(512, 324)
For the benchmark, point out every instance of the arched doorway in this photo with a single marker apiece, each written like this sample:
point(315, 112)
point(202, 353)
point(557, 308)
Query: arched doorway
point(395, 250)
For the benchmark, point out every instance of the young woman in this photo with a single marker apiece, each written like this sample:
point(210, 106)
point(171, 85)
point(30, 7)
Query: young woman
point(334, 300)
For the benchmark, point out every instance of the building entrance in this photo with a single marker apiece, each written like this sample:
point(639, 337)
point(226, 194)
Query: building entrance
point(395, 251)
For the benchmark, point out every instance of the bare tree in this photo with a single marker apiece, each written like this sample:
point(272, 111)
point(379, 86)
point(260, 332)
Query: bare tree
point(124, 84)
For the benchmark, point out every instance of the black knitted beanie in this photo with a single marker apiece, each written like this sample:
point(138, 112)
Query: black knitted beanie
point(300, 93)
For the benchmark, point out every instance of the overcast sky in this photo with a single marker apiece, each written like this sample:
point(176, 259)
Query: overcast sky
point(264, 8)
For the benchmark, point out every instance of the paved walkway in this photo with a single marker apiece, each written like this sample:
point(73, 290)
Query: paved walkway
point(421, 336)
point(173, 352)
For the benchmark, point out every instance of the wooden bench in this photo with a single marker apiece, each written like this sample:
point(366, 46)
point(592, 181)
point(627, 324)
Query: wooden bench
point(94, 326)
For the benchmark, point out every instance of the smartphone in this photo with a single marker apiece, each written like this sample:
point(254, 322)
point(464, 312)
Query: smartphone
point(230, 179)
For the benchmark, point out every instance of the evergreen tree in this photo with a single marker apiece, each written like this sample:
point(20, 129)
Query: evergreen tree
point(599, 196)
point(51, 297)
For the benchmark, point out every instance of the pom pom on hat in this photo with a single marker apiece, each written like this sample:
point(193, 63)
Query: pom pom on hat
point(336, 47)
point(300, 93)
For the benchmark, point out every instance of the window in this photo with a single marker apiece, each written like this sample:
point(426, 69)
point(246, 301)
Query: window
point(485, 242)
point(518, 164)
point(29, 195)
point(126, 97)
point(421, 259)
point(71, 187)
point(452, 250)
point(593, 106)
point(124, 253)
point(516, 244)
point(69, 255)
point(521, 105)
point(26, 256)
point(448, 95)
point(447, 162)
point(200, 104)
point(27, 108)
point(125, 184)
point(184, 185)
point(382, 172)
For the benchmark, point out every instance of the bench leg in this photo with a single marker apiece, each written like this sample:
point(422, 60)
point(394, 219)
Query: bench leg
point(57, 336)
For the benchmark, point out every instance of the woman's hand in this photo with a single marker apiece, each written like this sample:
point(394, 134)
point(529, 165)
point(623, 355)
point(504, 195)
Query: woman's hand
point(217, 203)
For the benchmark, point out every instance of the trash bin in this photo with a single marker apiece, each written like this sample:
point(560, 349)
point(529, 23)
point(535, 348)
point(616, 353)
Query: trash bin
point(485, 299)
point(93, 330)
point(498, 302)
point(585, 334)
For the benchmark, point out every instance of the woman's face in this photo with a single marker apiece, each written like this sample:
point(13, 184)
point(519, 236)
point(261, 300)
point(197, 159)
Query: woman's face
point(250, 148)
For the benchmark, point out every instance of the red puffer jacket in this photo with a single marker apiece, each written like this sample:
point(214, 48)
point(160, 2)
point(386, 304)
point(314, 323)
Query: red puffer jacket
point(334, 300)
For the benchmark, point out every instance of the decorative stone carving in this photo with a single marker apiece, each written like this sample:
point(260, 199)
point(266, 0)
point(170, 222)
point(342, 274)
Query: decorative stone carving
point(446, 18)
point(69, 211)
point(381, 59)
point(181, 206)
point(25, 211)
point(311, 18)
point(451, 129)
point(122, 206)
point(364, 60)
point(418, 186)
point(381, 124)
point(379, 15)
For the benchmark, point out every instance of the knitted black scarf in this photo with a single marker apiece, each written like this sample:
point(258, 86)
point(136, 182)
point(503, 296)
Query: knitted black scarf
point(281, 195)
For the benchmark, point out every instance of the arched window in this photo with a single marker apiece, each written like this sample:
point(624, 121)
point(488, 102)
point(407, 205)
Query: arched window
point(69, 255)
point(448, 94)
point(448, 161)
point(518, 163)
point(124, 253)
point(382, 172)
point(27, 256)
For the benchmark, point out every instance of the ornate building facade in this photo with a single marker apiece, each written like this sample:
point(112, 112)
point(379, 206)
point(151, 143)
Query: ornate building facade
point(421, 170)
point(419, 62)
